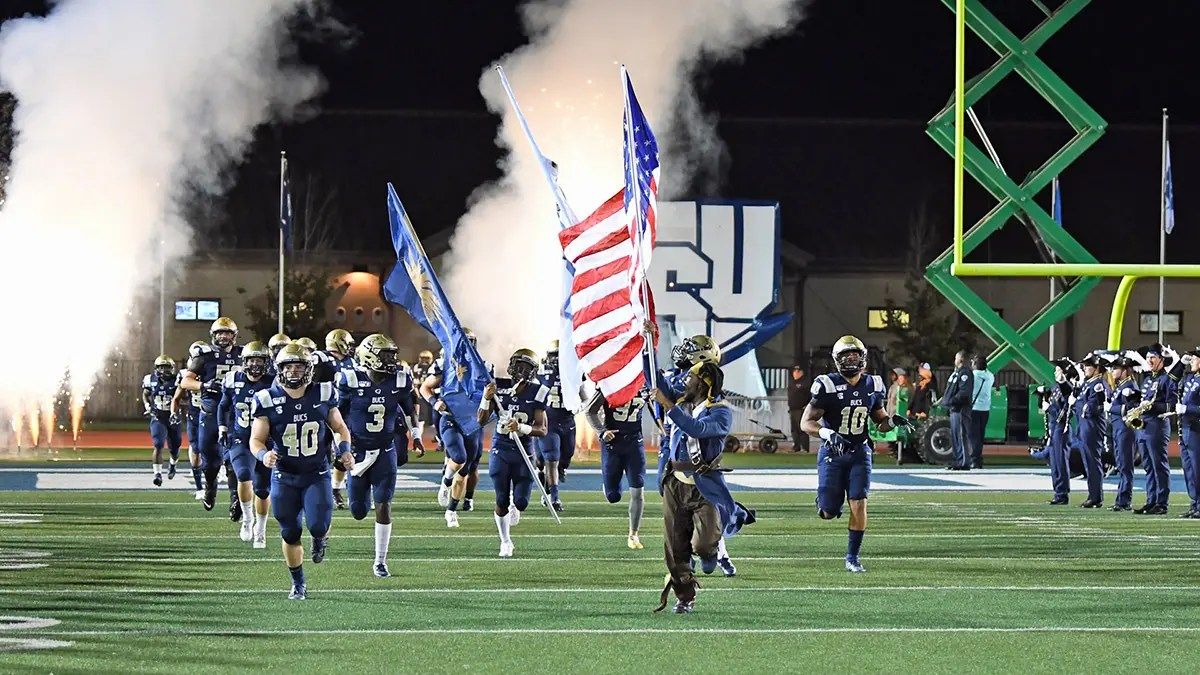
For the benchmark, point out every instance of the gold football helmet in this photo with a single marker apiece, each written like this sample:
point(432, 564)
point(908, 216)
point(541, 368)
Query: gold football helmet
point(277, 342)
point(849, 355)
point(223, 332)
point(255, 357)
point(164, 365)
point(523, 365)
point(339, 340)
point(701, 349)
point(306, 343)
point(378, 353)
point(290, 356)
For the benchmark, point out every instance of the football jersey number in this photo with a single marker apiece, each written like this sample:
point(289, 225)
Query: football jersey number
point(554, 400)
point(854, 420)
point(222, 369)
point(243, 414)
point(377, 411)
point(628, 411)
point(162, 402)
point(302, 439)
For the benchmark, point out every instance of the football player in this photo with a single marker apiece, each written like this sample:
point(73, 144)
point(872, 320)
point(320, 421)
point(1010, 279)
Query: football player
point(158, 389)
point(463, 452)
point(520, 404)
point(277, 342)
point(337, 356)
point(842, 402)
point(233, 412)
point(189, 401)
point(205, 374)
point(374, 396)
point(420, 370)
point(622, 455)
point(293, 415)
point(557, 447)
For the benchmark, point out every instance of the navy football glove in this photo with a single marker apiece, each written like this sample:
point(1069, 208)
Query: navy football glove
point(837, 443)
point(900, 421)
point(223, 437)
point(213, 386)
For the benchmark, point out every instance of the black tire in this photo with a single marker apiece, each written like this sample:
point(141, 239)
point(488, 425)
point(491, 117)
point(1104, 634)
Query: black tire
point(732, 443)
point(936, 446)
point(768, 445)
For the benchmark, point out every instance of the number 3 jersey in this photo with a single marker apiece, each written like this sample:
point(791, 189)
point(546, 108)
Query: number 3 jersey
point(298, 425)
point(234, 409)
point(847, 408)
point(371, 409)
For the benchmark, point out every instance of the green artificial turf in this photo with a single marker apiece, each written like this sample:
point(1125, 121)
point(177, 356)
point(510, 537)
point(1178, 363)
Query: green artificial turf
point(957, 582)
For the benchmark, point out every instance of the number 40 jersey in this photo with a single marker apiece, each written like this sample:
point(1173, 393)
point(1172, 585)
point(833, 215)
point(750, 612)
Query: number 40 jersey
point(298, 425)
point(847, 408)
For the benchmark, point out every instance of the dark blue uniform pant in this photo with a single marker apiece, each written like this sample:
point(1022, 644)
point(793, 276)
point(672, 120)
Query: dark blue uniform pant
point(165, 435)
point(1153, 441)
point(1059, 457)
point(1091, 444)
point(510, 478)
point(1123, 441)
point(377, 483)
point(246, 467)
point(212, 455)
point(193, 429)
point(461, 449)
point(622, 459)
point(1189, 455)
point(960, 428)
point(307, 494)
point(841, 477)
point(558, 445)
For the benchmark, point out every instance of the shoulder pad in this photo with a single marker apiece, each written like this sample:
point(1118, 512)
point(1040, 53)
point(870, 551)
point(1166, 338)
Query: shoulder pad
point(878, 382)
point(146, 382)
point(230, 378)
point(541, 394)
point(326, 392)
point(262, 398)
point(349, 377)
point(822, 385)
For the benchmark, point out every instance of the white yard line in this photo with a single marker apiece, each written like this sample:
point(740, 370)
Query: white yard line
point(400, 560)
point(176, 632)
point(134, 590)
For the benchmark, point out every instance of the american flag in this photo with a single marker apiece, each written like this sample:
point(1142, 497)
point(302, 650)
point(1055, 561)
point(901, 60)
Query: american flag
point(606, 323)
point(641, 188)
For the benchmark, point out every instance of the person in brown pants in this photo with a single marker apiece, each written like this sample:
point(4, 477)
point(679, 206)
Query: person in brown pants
point(697, 506)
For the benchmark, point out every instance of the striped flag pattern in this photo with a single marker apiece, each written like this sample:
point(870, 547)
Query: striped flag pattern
point(605, 320)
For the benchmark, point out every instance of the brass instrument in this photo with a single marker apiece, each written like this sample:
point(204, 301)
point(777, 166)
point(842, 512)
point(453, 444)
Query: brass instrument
point(1133, 417)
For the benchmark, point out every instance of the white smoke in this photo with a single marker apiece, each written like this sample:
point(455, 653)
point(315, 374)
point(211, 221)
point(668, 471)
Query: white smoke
point(124, 108)
point(503, 271)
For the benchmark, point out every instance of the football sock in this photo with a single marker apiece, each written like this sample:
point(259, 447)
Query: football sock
point(174, 458)
point(448, 476)
point(453, 505)
point(198, 477)
point(247, 509)
point(553, 493)
point(157, 469)
point(469, 494)
point(383, 534)
point(855, 544)
point(297, 574)
point(721, 552)
point(502, 528)
point(637, 504)
point(260, 524)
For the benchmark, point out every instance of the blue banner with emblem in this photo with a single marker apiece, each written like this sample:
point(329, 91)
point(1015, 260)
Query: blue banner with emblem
point(414, 286)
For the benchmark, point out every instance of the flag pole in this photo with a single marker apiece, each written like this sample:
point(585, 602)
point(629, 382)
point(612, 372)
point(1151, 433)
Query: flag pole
point(1053, 210)
point(636, 198)
point(282, 178)
point(1162, 223)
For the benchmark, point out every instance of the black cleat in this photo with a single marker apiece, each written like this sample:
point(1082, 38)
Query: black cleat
point(557, 506)
point(339, 502)
point(562, 478)
point(1121, 507)
point(1144, 509)
point(1189, 514)
point(235, 511)
point(468, 505)
point(157, 479)
point(1089, 504)
point(381, 570)
point(319, 546)
point(1159, 510)
point(682, 607)
point(171, 472)
point(1059, 501)
point(210, 499)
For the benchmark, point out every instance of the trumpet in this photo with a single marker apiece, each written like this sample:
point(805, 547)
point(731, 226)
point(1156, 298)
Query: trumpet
point(1133, 417)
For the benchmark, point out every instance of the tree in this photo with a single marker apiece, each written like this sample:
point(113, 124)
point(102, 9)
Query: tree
point(921, 324)
point(304, 315)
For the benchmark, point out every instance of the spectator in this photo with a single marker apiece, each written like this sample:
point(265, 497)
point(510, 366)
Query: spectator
point(899, 384)
point(982, 406)
point(923, 393)
point(957, 399)
point(799, 395)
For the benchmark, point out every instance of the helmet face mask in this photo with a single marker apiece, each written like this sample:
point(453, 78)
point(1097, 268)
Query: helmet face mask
point(295, 366)
point(425, 358)
point(523, 365)
point(224, 338)
point(850, 356)
point(164, 366)
point(700, 349)
point(255, 366)
point(378, 353)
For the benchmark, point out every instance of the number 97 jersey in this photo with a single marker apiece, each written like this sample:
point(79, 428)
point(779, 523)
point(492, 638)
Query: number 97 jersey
point(846, 408)
point(298, 425)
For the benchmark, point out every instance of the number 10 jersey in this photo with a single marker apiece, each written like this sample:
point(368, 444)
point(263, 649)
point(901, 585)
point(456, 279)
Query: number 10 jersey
point(298, 425)
point(847, 408)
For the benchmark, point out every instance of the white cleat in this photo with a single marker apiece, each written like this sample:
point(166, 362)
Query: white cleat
point(247, 533)
point(199, 494)
point(451, 519)
point(506, 549)
point(634, 542)
point(514, 517)
point(444, 496)
point(260, 541)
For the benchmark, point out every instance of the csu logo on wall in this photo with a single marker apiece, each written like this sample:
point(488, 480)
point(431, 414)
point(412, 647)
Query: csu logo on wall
point(716, 271)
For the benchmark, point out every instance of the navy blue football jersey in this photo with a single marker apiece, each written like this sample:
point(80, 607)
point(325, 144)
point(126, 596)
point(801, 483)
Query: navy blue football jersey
point(552, 380)
point(522, 406)
point(161, 390)
point(238, 390)
point(371, 409)
point(625, 420)
point(298, 425)
point(848, 408)
point(213, 365)
point(326, 368)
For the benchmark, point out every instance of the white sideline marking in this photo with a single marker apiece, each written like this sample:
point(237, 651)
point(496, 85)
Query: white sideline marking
point(1047, 559)
point(1131, 537)
point(8, 644)
point(504, 591)
point(635, 631)
point(8, 623)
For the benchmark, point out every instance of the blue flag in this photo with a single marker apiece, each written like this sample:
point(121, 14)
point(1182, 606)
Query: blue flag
point(285, 205)
point(413, 285)
point(761, 330)
point(1168, 194)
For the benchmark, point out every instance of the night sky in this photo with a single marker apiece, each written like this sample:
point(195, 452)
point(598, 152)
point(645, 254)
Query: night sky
point(829, 120)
